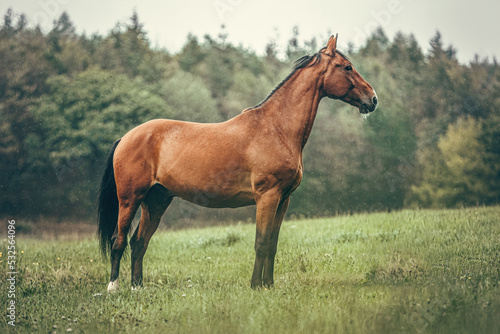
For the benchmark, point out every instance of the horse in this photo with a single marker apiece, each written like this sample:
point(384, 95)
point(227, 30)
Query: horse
point(254, 158)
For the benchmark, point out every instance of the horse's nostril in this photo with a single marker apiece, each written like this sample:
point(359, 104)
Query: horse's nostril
point(375, 100)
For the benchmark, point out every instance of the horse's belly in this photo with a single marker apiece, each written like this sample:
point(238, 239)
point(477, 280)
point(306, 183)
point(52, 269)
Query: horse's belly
point(215, 200)
point(219, 190)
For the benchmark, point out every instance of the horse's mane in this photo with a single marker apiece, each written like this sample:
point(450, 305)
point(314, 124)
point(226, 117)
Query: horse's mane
point(302, 62)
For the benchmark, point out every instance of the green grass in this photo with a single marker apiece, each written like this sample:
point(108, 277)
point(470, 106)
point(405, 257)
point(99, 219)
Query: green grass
point(401, 272)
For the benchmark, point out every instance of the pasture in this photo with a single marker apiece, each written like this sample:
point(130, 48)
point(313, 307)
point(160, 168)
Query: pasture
point(401, 272)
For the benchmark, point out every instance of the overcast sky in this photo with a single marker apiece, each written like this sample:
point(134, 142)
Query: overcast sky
point(470, 26)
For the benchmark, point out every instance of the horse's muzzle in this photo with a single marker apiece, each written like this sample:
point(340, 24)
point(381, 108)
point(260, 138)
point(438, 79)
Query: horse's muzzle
point(370, 106)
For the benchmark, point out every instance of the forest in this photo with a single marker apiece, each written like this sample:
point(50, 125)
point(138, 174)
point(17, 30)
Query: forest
point(433, 142)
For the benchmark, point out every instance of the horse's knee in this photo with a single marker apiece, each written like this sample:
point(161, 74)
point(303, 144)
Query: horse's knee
point(265, 246)
point(263, 249)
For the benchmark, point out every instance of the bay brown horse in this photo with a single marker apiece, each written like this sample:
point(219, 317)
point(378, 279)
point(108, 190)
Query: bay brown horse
point(254, 158)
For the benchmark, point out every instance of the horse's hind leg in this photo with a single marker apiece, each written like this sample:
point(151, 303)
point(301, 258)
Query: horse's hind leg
point(154, 205)
point(126, 213)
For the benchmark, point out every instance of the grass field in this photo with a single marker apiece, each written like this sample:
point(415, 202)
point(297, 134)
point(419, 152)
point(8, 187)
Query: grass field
point(401, 272)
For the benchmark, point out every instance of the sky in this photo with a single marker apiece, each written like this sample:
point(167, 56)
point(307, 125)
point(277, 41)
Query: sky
point(472, 27)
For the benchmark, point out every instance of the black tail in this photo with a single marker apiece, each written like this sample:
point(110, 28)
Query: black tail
point(107, 209)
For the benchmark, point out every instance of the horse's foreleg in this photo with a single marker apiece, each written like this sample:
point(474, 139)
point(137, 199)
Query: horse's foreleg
point(119, 241)
point(267, 276)
point(154, 205)
point(267, 206)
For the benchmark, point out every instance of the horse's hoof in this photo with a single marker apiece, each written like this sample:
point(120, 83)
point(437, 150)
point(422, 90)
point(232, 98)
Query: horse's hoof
point(113, 286)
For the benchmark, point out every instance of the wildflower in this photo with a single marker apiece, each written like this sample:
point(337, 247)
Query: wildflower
point(22, 252)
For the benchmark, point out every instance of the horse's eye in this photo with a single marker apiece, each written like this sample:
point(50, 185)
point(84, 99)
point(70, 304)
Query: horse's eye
point(348, 68)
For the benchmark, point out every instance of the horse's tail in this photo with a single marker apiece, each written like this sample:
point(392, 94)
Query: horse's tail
point(107, 209)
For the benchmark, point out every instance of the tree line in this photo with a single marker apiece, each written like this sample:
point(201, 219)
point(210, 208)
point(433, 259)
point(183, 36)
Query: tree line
point(65, 98)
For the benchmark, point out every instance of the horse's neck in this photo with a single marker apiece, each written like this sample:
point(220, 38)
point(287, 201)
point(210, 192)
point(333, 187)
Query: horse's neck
point(292, 108)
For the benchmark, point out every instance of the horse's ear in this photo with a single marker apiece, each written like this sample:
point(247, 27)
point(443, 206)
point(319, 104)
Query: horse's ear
point(332, 45)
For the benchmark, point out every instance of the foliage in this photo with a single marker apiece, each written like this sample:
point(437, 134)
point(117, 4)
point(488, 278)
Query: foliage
point(191, 103)
point(65, 98)
point(93, 109)
point(405, 272)
point(461, 171)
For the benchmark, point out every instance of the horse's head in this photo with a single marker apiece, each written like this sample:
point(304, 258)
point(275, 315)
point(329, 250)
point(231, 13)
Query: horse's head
point(341, 81)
